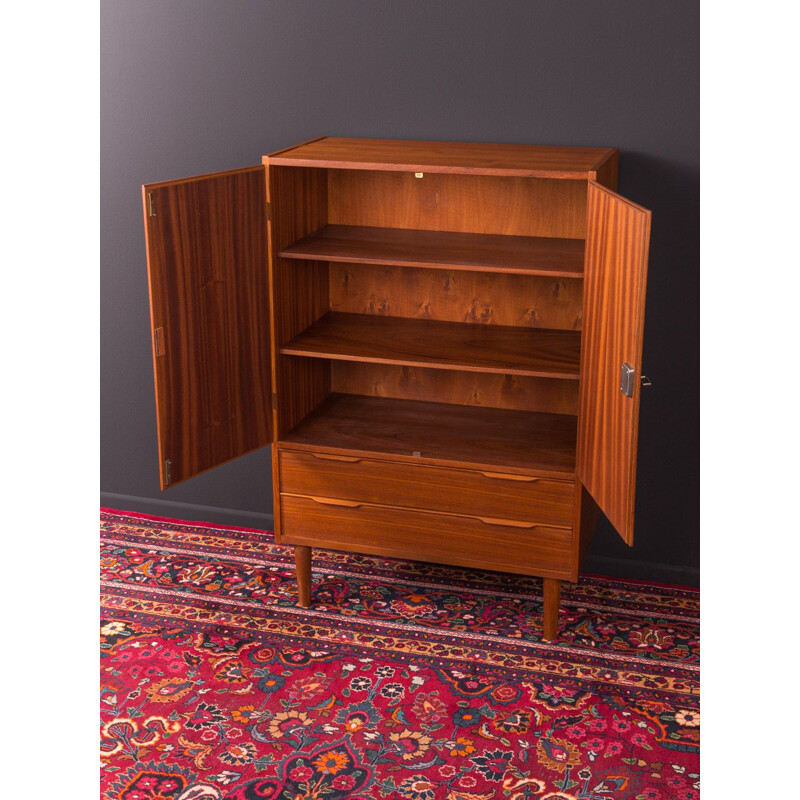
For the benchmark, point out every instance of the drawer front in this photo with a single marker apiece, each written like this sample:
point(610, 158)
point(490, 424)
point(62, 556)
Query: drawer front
point(427, 536)
point(459, 491)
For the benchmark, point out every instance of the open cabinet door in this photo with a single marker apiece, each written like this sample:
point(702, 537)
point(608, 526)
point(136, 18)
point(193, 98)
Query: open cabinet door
point(615, 276)
point(209, 307)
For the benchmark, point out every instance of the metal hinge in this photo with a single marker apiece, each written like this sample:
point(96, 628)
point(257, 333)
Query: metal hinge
point(150, 204)
point(167, 472)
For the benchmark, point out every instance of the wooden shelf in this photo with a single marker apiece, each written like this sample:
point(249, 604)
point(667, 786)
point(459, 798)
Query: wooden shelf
point(441, 433)
point(528, 255)
point(444, 345)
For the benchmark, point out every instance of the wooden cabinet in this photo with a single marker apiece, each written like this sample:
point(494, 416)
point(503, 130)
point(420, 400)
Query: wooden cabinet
point(442, 342)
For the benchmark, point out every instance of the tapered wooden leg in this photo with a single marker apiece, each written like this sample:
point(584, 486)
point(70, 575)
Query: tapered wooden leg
point(552, 598)
point(302, 561)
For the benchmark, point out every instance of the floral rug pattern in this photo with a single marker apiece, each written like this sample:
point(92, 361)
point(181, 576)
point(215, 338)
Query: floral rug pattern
point(404, 680)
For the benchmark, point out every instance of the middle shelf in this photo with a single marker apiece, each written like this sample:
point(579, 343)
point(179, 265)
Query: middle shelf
point(537, 352)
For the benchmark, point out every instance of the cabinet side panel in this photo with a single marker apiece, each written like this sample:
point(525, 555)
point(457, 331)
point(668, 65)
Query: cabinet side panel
point(617, 243)
point(462, 203)
point(587, 515)
point(277, 527)
point(299, 201)
point(207, 265)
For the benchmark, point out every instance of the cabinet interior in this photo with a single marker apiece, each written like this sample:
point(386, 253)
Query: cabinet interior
point(397, 298)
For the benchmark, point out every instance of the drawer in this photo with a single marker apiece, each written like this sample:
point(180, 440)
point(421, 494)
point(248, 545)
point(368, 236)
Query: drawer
point(427, 536)
point(458, 491)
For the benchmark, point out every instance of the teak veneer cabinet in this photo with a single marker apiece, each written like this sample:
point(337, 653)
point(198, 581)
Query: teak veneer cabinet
point(442, 342)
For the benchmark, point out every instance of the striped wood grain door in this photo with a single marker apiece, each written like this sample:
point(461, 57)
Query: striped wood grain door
point(617, 244)
point(209, 306)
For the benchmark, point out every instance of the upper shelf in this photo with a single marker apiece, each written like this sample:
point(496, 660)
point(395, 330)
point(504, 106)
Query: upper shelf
point(532, 161)
point(528, 255)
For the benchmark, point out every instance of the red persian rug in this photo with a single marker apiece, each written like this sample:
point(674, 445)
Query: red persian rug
point(405, 680)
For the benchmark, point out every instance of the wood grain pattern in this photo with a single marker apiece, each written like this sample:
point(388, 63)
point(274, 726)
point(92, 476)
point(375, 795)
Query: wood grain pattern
point(413, 485)
point(540, 444)
point(528, 255)
point(207, 271)
point(299, 290)
point(426, 536)
point(454, 296)
point(549, 395)
point(441, 345)
point(419, 156)
point(618, 236)
point(463, 203)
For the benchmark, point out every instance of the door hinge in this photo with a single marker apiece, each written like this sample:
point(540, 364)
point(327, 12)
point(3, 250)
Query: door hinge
point(150, 204)
point(626, 380)
point(167, 472)
point(158, 342)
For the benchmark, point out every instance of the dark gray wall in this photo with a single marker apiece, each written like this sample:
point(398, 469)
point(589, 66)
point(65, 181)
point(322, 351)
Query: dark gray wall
point(194, 86)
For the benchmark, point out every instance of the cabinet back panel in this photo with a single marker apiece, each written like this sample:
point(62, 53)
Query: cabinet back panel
point(498, 299)
point(461, 203)
point(519, 392)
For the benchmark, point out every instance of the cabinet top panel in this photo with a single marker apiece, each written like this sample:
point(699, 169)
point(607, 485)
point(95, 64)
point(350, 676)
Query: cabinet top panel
point(575, 163)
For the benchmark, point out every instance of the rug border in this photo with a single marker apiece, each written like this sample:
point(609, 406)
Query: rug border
point(205, 524)
point(191, 522)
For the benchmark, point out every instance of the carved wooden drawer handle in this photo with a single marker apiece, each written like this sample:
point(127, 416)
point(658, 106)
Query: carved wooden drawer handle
point(505, 477)
point(509, 523)
point(326, 457)
point(331, 501)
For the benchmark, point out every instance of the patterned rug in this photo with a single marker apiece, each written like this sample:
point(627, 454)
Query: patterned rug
point(405, 680)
